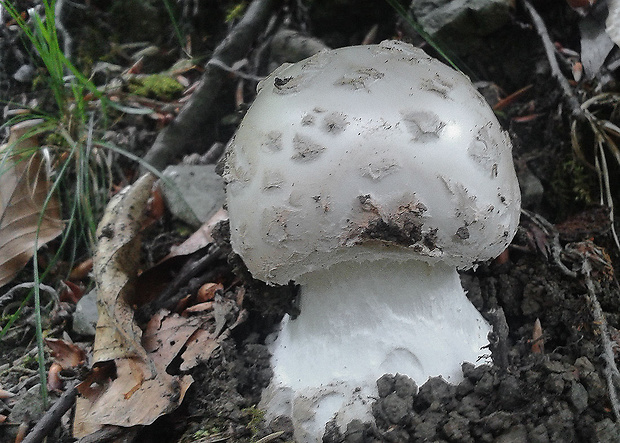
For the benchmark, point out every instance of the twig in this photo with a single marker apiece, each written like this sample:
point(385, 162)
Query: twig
point(189, 271)
point(612, 375)
point(8, 296)
point(50, 420)
point(223, 66)
point(190, 128)
point(569, 95)
point(552, 234)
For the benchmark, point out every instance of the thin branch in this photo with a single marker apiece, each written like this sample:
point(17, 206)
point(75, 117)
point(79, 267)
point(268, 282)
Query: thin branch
point(50, 420)
point(612, 375)
point(569, 95)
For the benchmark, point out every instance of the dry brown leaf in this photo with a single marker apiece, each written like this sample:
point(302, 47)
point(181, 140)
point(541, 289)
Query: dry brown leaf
point(141, 390)
point(24, 187)
point(200, 346)
point(199, 239)
point(54, 380)
point(166, 335)
point(130, 384)
point(207, 291)
point(130, 399)
point(538, 342)
point(67, 355)
point(115, 267)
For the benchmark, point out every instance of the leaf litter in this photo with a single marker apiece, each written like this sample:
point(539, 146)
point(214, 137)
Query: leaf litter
point(139, 375)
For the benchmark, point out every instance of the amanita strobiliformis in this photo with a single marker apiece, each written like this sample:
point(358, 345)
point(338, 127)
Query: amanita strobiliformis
point(369, 175)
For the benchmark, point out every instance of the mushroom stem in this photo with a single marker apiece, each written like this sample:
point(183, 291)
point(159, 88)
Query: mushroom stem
point(360, 320)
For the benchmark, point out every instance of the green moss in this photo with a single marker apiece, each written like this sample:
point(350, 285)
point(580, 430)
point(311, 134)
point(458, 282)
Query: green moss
point(157, 86)
point(235, 11)
point(574, 185)
point(256, 417)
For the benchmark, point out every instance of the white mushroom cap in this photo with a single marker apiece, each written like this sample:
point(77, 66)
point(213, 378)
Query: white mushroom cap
point(368, 152)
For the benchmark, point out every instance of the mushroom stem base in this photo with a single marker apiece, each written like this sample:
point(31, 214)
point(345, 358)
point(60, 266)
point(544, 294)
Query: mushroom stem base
point(360, 320)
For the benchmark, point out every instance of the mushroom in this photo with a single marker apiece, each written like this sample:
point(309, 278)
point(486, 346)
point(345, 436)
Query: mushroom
point(368, 175)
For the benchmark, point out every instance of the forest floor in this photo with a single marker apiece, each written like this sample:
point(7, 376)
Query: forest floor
point(553, 298)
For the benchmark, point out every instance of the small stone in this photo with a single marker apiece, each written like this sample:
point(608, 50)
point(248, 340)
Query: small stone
point(395, 408)
point(578, 397)
point(29, 407)
point(193, 193)
point(608, 431)
point(385, 385)
point(404, 386)
point(457, 428)
point(539, 434)
point(555, 384)
point(518, 434)
point(86, 315)
point(24, 74)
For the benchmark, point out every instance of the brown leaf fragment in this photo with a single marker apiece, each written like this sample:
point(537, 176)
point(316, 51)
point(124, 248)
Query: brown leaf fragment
point(200, 307)
point(82, 270)
point(207, 292)
point(199, 239)
point(26, 221)
point(115, 268)
point(130, 399)
point(166, 335)
point(538, 343)
point(54, 380)
point(67, 355)
point(200, 346)
point(5, 394)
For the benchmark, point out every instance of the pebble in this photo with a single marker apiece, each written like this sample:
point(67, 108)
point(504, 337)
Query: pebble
point(578, 397)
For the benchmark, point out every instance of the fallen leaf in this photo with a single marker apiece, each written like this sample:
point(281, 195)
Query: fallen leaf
point(67, 355)
point(538, 343)
point(200, 307)
point(207, 291)
point(130, 399)
point(82, 270)
point(115, 268)
point(54, 381)
point(70, 292)
point(166, 334)
point(130, 384)
point(25, 221)
point(200, 346)
point(199, 239)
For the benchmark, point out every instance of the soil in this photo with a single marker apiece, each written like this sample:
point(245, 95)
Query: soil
point(552, 379)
